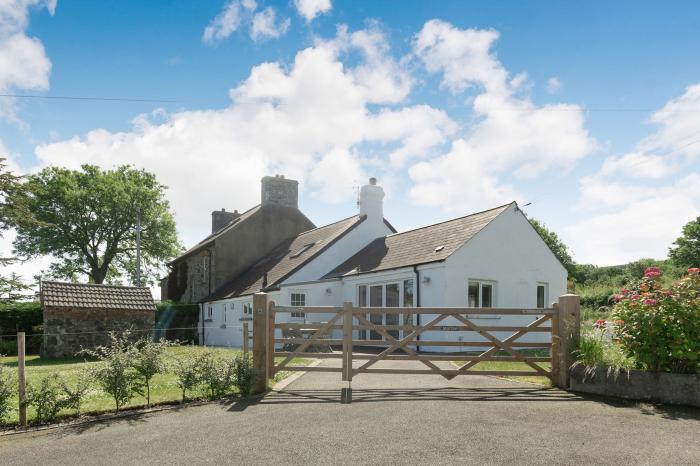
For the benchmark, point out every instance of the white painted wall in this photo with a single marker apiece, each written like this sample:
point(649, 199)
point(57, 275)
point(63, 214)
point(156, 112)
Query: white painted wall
point(356, 239)
point(508, 252)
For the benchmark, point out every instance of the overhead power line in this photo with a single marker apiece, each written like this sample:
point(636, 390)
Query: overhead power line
point(103, 99)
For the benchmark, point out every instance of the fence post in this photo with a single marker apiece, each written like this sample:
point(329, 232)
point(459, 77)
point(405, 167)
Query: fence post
point(245, 338)
point(347, 342)
point(555, 349)
point(569, 334)
point(270, 339)
point(22, 380)
point(260, 342)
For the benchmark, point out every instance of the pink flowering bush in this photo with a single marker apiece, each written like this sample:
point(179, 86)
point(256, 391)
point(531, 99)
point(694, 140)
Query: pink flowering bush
point(660, 327)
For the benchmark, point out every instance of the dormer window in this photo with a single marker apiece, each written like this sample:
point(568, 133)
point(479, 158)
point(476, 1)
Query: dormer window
point(302, 250)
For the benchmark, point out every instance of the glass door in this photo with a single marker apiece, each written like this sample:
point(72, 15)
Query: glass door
point(376, 299)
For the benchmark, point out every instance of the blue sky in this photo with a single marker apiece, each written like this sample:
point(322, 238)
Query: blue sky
point(588, 111)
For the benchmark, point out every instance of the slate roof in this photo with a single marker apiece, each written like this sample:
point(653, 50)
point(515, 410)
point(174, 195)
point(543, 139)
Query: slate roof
point(59, 294)
point(212, 237)
point(433, 243)
point(283, 260)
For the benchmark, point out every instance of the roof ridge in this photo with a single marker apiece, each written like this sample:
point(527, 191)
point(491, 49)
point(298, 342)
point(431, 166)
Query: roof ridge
point(451, 220)
point(330, 224)
point(100, 285)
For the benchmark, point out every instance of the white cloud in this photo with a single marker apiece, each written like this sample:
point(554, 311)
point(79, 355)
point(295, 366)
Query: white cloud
point(23, 61)
point(307, 120)
point(265, 25)
point(554, 85)
point(463, 56)
point(511, 135)
point(644, 223)
point(261, 24)
point(641, 200)
point(309, 9)
point(224, 24)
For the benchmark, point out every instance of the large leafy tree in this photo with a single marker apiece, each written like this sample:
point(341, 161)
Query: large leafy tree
point(557, 246)
point(686, 249)
point(12, 211)
point(86, 219)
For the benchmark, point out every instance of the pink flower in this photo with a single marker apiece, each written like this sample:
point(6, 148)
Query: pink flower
point(620, 322)
point(694, 270)
point(652, 272)
point(634, 296)
point(625, 291)
point(650, 301)
point(617, 298)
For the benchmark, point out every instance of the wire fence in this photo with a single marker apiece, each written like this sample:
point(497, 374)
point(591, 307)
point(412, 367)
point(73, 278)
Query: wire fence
point(117, 330)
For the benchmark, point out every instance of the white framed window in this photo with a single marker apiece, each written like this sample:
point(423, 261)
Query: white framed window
point(247, 309)
point(481, 293)
point(210, 312)
point(391, 294)
point(298, 299)
point(542, 292)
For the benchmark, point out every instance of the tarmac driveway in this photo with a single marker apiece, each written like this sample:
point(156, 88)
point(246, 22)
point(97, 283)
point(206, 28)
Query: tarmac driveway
point(403, 419)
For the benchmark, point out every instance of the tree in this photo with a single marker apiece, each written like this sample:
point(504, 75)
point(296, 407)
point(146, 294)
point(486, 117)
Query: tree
point(86, 219)
point(12, 211)
point(686, 252)
point(556, 245)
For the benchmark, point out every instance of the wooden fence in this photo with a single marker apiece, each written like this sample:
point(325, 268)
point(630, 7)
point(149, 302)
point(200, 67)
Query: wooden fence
point(404, 342)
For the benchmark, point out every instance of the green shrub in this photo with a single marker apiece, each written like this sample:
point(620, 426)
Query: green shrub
point(115, 374)
point(7, 389)
point(660, 327)
point(217, 374)
point(148, 362)
point(73, 395)
point(187, 373)
point(46, 398)
point(244, 374)
point(596, 351)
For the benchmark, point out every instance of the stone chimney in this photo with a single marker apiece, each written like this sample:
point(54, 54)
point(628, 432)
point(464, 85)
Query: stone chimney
point(277, 190)
point(221, 218)
point(371, 201)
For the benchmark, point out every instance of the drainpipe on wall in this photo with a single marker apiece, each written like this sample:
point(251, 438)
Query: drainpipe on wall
point(415, 271)
point(201, 313)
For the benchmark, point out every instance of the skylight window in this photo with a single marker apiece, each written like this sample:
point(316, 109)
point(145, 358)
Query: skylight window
point(301, 251)
point(439, 248)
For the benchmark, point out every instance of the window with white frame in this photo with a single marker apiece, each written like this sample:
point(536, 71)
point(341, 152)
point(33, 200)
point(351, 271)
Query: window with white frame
point(247, 309)
point(298, 299)
point(392, 294)
point(210, 312)
point(481, 293)
point(542, 295)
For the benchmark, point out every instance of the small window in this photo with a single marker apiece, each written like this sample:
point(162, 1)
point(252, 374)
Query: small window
point(210, 312)
point(408, 293)
point(480, 293)
point(298, 300)
point(362, 296)
point(247, 308)
point(541, 295)
point(301, 251)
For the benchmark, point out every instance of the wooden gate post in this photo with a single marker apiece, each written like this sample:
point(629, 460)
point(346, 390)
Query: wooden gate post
point(569, 332)
point(260, 346)
point(22, 389)
point(270, 339)
point(347, 341)
point(246, 343)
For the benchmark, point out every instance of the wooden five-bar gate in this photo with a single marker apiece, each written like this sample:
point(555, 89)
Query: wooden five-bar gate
point(347, 328)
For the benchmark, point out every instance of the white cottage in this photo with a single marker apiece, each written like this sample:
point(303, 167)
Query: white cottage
point(493, 258)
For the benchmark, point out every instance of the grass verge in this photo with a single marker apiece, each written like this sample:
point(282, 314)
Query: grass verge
point(163, 388)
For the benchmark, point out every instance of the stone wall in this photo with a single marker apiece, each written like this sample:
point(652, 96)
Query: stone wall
point(68, 330)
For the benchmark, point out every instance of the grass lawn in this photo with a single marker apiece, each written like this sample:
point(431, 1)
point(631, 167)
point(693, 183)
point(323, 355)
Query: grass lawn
point(163, 388)
point(513, 366)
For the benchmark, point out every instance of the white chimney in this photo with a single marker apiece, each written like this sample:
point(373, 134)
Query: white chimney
point(371, 201)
